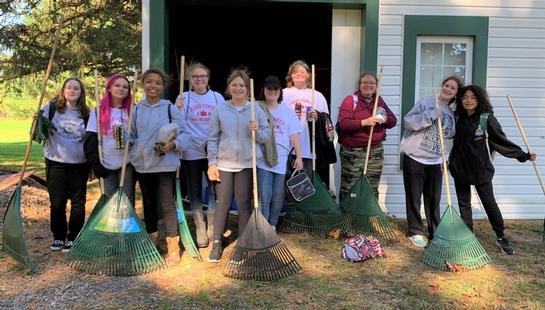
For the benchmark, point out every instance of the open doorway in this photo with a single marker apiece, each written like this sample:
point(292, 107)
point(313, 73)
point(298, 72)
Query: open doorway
point(264, 36)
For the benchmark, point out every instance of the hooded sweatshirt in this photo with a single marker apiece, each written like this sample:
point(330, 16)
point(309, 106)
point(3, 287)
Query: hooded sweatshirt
point(147, 119)
point(421, 137)
point(230, 139)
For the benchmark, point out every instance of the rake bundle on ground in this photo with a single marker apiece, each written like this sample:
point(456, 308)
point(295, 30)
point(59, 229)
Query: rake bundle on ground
point(259, 254)
point(319, 213)
point(453, 244)
point(13, 238)
point(115, 243)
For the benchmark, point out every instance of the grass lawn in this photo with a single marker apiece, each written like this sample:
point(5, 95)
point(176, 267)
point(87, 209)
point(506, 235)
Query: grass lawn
point(14, 135)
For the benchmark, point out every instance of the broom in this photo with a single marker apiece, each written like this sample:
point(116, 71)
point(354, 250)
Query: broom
point(13, 238)
point(103, 198)
point(114, 242)
point(319, 213)
point(259, 254)
point(454, 246)
point(183, 228)
point(360, 205)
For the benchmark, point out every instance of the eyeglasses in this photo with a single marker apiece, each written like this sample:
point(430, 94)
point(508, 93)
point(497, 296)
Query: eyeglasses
point(467, 98)
point(199, 77)
point(368, 83)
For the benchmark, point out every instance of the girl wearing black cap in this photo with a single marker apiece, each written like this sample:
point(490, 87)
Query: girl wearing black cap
point(271, 170)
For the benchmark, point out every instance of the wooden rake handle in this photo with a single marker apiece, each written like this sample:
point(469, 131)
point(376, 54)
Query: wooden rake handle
point(42, 94)
point(129, 125)
point(254, 156)
point(312, 100)
point(442, 144)
point(523, 134)
point(379, 82)
point(99, 130)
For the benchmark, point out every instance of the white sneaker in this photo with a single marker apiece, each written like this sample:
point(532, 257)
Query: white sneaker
point(419, 241)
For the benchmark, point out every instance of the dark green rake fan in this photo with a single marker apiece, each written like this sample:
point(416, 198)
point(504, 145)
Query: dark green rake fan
point(183, 228)
point(259, 253)
point(114, 242)
point(319, 213)
point(454, 246)
point(360, 204)
point(13, 238)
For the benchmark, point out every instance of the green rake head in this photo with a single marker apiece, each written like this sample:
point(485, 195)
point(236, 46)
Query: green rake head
point(13, 238)
point(259, 254)
point(318, 214)
point(454, 246)
point(115, 242)
point(364, 213)
point(183, 228)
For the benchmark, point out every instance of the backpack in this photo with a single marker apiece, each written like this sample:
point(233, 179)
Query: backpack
point(359, 248)
point(483, 125)
point(337, 125)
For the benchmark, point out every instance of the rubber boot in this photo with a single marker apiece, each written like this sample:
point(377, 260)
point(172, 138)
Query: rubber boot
point(173, 251)
point(200, 224)
point(210, 222)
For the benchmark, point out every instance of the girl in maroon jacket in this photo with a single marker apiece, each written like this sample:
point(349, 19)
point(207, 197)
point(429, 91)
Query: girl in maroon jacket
point(355, 121)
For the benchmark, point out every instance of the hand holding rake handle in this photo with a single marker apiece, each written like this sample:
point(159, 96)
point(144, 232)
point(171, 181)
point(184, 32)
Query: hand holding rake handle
point(373, 127)
point(442, 142)
point(254, 159)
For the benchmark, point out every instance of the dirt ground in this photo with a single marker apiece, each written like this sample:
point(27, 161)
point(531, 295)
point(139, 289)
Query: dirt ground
point(399, 281)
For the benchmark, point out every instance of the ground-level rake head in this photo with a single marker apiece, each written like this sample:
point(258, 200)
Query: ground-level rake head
point(259, 254)
point(364, 213)
point(13, 238)
point(454, 244)
point(115, 243)
point(98, 205)
point(317, 214)
point(183, 228)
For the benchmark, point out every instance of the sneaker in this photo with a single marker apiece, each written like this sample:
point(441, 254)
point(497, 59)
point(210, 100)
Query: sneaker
point(419, 241)
point(67, 246)
point(215, 253)
point(505, 246)
point(56, 245)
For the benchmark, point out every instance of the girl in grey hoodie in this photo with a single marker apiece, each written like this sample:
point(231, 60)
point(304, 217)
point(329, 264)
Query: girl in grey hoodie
point(230, 154)
point(422, 159)
point(155, 163)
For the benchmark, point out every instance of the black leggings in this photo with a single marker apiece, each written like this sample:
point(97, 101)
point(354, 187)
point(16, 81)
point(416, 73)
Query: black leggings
point(66, 181)
point(159, 188)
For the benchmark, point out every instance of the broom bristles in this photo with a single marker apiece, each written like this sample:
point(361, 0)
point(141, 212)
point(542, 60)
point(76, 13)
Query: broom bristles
point(115, 254)
point(268, 264)
point(296, 221)
point(468, 253)
point(378, 226)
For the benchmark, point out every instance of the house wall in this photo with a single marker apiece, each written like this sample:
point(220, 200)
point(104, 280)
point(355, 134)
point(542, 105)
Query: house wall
point(516, 66)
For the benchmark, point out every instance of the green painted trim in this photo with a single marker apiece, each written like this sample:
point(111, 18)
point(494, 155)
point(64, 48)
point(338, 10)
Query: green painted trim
point(158, 35)
point(369, 39)
point(475, 26)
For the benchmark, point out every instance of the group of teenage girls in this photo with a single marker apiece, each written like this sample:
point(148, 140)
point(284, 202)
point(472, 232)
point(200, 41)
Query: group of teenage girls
point(212, 137)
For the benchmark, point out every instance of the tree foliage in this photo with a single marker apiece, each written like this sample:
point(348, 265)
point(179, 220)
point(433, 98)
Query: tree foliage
point(95, 34)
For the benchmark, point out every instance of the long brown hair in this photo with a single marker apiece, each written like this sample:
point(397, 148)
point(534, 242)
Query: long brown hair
point(294, 66)
point(61, 103)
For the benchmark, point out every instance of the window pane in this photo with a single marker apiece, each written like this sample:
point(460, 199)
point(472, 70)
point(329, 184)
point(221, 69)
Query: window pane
point(431, 54)
point(425, 91)
point(455, 54)
point(459, 71)
point(431, 76)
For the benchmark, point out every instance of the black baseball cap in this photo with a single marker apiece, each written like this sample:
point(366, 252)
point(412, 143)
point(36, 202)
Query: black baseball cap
point(272, 82)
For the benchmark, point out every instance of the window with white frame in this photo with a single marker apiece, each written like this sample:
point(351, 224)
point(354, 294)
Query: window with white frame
point(438, 57)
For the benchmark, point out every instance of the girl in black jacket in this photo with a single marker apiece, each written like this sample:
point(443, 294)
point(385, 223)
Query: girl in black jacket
point(470, 162)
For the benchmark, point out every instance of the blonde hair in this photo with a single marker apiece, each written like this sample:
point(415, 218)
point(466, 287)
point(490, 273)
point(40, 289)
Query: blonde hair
point(293, 67)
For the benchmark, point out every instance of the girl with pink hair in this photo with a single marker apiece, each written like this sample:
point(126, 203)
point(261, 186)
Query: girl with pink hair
point(115, 107)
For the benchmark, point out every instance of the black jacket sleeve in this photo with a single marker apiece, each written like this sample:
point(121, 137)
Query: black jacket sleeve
point(90, 147)
point(499, 142)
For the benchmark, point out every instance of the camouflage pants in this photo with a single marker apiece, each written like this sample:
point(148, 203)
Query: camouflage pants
point(352, 162)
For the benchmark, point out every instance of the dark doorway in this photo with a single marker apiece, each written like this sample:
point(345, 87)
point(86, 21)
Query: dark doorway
point(264, 36)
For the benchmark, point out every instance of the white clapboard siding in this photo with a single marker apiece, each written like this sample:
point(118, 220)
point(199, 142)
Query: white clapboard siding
point(516, 67)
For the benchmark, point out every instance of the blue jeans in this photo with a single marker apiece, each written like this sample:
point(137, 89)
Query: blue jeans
point(271, 194)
